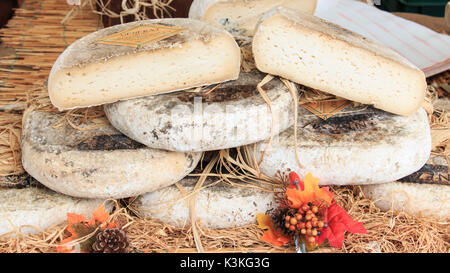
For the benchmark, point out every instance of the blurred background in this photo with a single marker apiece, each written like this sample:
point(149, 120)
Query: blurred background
point(434, 8)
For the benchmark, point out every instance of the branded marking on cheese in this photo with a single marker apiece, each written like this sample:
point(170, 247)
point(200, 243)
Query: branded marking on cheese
point(141, 35)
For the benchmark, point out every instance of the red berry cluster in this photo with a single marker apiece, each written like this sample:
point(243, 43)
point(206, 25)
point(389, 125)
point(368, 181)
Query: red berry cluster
point(306, 221)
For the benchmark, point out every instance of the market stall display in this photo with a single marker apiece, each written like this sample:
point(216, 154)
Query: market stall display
point(171, 194)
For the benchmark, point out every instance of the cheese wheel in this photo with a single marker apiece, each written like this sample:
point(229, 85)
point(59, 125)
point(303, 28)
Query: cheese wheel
point(239, 17)
point(142, 58)
point(38, 208)
point(313, 52)
point(414, 198)
point(217, 205)
point(425, 192)
point(227, 115)
point(360, 145)
point(96, 163)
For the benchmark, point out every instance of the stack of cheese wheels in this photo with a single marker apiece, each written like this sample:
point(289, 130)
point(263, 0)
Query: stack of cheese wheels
point(360, 145)
point(239, 17)
point(217, 204)
point(172, 89)
point(96, 163)
point(119, 63)
point(425, 192)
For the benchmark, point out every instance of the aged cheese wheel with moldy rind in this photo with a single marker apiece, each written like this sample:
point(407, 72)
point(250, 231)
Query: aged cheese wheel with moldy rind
point(360, 145)
point(231, 115)
point(97, 163)
point(425, 192)
point(217, 205)
point(40, 208)
point(239, 17)
point(310, 51)
point(425, 199)
point(88, 73)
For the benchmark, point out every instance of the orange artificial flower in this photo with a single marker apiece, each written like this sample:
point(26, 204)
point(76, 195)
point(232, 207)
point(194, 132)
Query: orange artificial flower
point(308, 191)
point(335, 221)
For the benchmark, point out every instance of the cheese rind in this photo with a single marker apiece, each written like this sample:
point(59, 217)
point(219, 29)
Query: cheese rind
point(358, 146)
point(217, 205)
point(313, 52)
point(88, 73)
point(228, 115)
point(419, 199)
point(240, 17)
point(425, 192)
point(96, 163)
point(39, 208)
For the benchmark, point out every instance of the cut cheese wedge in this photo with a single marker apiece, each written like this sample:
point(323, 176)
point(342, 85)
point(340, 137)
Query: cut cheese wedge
point(142, 58)
point(217, 204)
point(324, 56)
point(31, 210)
point(222, 116)
point(239, 17)
point(96, 163)
point(360, 145)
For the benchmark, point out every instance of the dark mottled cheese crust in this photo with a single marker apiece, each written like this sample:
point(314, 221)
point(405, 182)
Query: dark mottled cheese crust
point(360, 145)
point(222, 116)
point(96, 163)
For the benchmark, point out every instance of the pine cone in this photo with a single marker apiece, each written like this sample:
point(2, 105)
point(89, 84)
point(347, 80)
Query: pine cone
point(111, 240)
point(278, 218)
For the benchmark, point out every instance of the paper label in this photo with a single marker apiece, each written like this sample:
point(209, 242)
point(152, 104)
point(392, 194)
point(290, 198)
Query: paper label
point(327, 108)
point(140, 35)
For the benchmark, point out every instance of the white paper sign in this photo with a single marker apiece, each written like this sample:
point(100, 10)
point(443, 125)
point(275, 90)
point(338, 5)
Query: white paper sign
point(427, 49)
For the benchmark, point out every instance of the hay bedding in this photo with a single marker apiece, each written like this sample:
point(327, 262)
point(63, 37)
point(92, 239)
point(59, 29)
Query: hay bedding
point(23, 77)
point(38, 37)
point(387, 232)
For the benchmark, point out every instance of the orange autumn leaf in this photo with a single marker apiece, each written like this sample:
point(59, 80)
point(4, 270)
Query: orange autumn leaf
point(79, 226)
point(311, 192)
point(275, 237)
point(264, 221)
point(272, 236)
point(112, 225)
point(99, 215)
point(74, 219)
point(65, 247)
